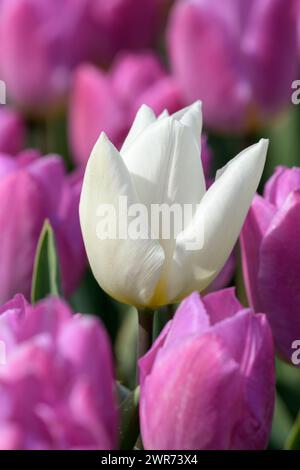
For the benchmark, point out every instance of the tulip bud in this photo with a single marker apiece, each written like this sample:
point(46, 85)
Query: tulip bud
point(208, 381)
point(56, 385)
point(149, 261)
point(29, 179)
point(240, 59)
point(271, 256)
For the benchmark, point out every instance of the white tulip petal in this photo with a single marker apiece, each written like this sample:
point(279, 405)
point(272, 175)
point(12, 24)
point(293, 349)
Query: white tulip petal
point(165, 164)
point(191, 116)
point(144, 117)
point(220, 217)
point(164, 114)
point(127, 269)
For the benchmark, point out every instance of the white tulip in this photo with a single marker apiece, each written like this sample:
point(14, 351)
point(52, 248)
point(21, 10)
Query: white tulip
point(160, 163)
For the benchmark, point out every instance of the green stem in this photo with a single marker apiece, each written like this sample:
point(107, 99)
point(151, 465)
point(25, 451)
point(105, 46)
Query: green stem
point(145, 318)
point(145, 336)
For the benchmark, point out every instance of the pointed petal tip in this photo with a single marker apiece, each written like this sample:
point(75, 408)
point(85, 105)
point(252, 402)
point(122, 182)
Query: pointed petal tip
point(264, 144)
point(102, 140)
point(103, 135)
point(197, 104)
point(164, 114)
point(145, 108)
point(262, 148)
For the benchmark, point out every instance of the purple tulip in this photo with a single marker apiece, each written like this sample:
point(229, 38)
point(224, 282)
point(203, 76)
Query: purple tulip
point(108, 101)
point(12, 131)
point(43, 41)
point(56, 379)
point(31, 190)
point(271, 256)
point(208, 380)
point(239, 59)
point(38, 50)
point(129, 24)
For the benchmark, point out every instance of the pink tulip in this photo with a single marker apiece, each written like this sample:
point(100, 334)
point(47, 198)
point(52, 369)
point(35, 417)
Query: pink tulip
point(56, 383)
point(108, 101)
point(208, 380)
point(271, 256)
point(33, 189)
point(128, 24)
point(12, 131)
point(43, 41)
point(240, 59)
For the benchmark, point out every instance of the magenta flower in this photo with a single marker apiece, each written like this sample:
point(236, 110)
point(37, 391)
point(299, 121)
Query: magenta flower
point(240, 60)
point(208, 380)
point(128, 24)
point(56, 386)
point(12, 131)
point(43, 41)
point(31, 190)
point(37, 48)
point(109, 101)
point(271, 256)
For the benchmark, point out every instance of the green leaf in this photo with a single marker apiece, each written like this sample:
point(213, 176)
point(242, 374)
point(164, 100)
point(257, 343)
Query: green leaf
point(46, 276)
point(126, 348)
point(282, 423)
point(129, 428)
point(293, 440)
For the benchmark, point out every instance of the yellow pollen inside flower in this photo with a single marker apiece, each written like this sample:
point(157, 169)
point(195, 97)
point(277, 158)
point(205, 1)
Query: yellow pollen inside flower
point(159, 297)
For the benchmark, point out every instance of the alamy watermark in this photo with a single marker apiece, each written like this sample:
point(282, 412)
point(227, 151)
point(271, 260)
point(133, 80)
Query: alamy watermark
point(122, 221)
point(295, 98)
point(2, 92)
point(295, 357)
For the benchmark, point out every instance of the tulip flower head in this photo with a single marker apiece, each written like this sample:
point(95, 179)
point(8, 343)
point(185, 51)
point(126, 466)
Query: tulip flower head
point(242, 54)
point(271, 256)
point(56, 379)
point(108, 101)
point(208, 380)
point(133, 255)
point(43, 41)
point(29, 178)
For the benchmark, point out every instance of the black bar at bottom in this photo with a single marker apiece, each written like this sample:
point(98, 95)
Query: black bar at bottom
point(132, 459)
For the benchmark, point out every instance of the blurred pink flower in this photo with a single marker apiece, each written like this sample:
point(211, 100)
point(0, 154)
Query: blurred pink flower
point(208, 380)
point(109, 101)
point(128, 24)
point(31, 190)
point(240, 60)
point(12, 131)
point(42, 41)
point(56, 387)
point(271, 256)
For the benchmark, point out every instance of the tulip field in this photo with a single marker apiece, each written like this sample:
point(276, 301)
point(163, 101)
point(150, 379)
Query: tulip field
point(149, 227)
